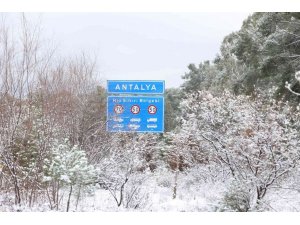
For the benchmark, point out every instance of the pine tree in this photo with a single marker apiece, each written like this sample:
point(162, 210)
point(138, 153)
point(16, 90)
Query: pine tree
point(68, 167)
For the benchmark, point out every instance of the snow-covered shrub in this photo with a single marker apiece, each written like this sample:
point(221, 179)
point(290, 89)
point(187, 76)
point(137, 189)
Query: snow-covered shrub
point(136, 194)
point(67, 167)
point(165, 179)
point(256, 141)
point(237, 198)
point(124, 168)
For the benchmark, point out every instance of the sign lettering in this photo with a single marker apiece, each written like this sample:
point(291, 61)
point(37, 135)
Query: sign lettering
point(135, 87)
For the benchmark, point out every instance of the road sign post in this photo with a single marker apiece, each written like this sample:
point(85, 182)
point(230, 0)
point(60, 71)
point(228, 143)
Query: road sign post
point(143, 113)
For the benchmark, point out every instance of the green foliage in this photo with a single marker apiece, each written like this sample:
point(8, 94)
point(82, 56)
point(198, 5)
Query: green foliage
point(172, 110)
point(201, 77)
point(27, 147)
point(268, 44)
point(69, 165)
point(265, 52)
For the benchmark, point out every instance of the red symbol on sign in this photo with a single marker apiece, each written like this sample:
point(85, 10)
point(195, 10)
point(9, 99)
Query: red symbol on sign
point(118, 109)
point(135, 109)
point(152, 109)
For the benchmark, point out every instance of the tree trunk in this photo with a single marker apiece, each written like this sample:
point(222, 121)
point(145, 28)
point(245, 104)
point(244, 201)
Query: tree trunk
point(175, 185)
point(49, 198)
point(78, 196)
point(121, 192)
point(69, 198)
point(57, 195)
point(31, 196)
point(17, 194)
point(16, 187)
point(261, 192)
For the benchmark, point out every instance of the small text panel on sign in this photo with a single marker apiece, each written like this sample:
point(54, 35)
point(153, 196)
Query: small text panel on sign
point(135, 114)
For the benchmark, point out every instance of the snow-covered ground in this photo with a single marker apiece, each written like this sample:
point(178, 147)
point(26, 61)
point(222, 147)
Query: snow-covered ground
point(156, 195)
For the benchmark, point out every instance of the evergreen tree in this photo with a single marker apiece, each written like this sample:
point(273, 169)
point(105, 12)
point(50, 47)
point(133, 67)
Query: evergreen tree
point(68, 167)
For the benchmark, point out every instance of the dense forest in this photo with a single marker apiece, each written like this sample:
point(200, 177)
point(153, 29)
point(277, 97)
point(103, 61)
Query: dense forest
point(231, 140)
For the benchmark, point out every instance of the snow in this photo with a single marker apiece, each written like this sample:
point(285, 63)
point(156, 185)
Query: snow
point(192, 196)
point(159, 199)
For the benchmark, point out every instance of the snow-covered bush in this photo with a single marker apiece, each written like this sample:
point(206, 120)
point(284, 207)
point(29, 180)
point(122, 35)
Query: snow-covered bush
point(237, 198)
point(256, 141)
point(136, 194)
point(125, 168)
point(164, 178)
point(67, 167)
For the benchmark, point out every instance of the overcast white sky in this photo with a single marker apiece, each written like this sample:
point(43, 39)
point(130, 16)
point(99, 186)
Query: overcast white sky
point(141, 45)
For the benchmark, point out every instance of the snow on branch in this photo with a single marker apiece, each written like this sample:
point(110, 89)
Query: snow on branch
point(288, 85)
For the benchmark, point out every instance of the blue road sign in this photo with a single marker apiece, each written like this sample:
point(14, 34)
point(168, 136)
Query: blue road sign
point(135, 87)
point(135, 114)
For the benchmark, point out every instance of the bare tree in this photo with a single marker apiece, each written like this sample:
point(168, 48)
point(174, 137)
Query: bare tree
point(41, 100)
point(20, 63)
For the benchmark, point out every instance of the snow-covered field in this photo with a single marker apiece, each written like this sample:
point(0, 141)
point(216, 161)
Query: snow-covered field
point(156, 195)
